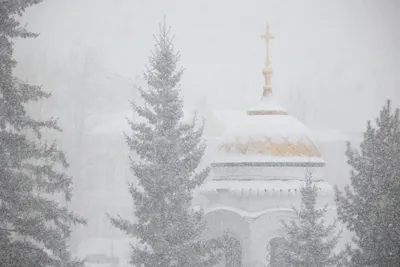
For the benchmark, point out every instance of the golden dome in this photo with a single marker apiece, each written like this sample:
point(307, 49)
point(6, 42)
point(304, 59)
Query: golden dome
point(268, 138)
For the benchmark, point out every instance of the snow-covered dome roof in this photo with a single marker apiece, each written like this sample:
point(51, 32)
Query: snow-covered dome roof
point(268, 134)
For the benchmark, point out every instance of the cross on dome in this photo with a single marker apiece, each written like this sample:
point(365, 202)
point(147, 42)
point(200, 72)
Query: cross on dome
point(267, 36)
point(267, 105)
point(267, 72)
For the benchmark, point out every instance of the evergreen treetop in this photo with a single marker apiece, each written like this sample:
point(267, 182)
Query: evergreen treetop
point(169, 151)
point(307, 241)
point(369, 207)
point(34, 227)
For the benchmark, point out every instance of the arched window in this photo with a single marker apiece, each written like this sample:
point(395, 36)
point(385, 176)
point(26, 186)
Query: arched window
point(275, 247)
point(232, 251)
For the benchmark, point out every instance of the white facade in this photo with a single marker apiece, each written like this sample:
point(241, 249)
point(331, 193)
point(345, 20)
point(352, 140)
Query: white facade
point(258, 165)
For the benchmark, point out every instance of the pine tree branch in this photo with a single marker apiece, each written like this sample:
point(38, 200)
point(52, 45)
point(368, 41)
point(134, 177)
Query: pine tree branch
point(8, 230)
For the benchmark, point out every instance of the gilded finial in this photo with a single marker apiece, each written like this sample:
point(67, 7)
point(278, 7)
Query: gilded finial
point(267, 72)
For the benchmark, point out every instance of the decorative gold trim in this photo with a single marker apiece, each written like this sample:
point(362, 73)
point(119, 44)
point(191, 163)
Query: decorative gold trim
point(260, 147)
point(314, 146)
point(282, 148)
point(242, 147)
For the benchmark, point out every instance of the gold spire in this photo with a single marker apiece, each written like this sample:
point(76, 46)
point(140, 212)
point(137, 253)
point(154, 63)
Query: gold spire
point(267, 71)
point(266, 106)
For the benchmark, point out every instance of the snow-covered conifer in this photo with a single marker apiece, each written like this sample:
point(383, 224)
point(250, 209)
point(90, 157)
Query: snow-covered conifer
point(34, 227)
point(370, 206)
point(169, 232)
point(308, 241)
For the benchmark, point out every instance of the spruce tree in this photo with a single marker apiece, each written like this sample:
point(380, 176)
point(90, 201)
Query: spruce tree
point(308, 241)
point(168, 231)
point(370, 206)
point(34, 226)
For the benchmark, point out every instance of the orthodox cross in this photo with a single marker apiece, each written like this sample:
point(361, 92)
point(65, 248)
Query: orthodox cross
point(267, 36)
point(267, 72)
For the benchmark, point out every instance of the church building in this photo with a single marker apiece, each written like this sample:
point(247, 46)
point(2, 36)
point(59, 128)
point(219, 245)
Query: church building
point(258, 165)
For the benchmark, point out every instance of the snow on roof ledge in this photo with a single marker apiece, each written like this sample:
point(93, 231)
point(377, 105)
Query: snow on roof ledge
point(244, 213)
point(270, 188)
point(249, 216)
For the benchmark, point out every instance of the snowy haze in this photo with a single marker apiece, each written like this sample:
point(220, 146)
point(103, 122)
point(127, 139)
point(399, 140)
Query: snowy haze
point(334, 62)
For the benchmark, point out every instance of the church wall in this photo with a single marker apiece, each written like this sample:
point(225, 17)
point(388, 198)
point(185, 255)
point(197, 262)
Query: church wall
point(264, 229)
point(254, 204)
point(265, 172)
point(261, 217)
point(220, 222)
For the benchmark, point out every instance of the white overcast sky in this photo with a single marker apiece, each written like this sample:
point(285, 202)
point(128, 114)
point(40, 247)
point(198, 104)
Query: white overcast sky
point(342, 54)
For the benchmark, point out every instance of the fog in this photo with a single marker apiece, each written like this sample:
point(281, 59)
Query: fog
point(334, 63)
point(340, 57)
